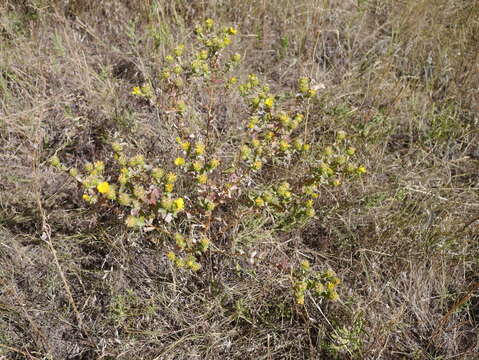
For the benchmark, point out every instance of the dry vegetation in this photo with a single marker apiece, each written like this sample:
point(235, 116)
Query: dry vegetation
point(401, 78)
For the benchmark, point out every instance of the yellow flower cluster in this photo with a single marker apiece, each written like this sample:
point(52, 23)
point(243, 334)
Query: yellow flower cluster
point(321, 284)
point(145, 91)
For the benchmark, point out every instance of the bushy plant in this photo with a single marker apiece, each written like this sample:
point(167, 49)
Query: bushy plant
point(267, 168)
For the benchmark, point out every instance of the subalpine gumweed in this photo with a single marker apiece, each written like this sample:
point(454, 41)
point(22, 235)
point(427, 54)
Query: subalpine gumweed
point(271, 168)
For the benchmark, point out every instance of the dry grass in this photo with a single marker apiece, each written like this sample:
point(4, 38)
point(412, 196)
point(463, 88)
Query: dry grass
point(402, 76)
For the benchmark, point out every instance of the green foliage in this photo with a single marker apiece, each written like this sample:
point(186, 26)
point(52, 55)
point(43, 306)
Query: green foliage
point(270, 170)
point(347, 340)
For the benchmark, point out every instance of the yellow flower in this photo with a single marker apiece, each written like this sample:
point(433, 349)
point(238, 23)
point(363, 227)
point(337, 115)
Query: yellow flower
point(171, 256)
point(269, 135)
point(171, 178)
point(185, 145)
point(103, 187)
point(195, 266)
point(209, 23)
point(232, 30)
point(197, 166)
point(333, 296)
point(199, 149)
point(179, 204)
point(259, 201)
point(179, 262)
point(214, 163)
point(253, 79)
point(269, 102)
point(226, 41)
point(336, 182)
point(253, 122)
point(179, 161)
point(86, 197)
point(283, 145)
point(284, 119)
point(137, 91)
point(179, 50)
point(361, 169)
point(202, 179)
point(305, 265)
point(189, 261)
point(256, 165)
point(169, 187)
